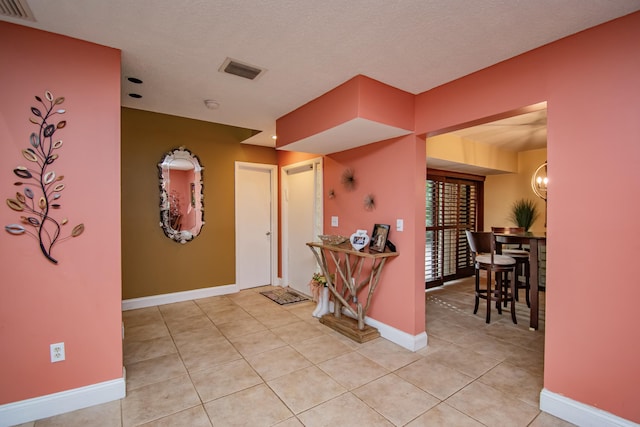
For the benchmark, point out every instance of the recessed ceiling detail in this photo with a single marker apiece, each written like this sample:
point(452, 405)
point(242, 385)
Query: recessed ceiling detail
point(237, 68)
point(16, 9)
point(350, 134)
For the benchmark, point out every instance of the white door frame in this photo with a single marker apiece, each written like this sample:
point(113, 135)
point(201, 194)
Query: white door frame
point(316, 165)
point(273, 171)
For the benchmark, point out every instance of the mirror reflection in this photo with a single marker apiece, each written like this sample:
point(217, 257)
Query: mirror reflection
point(181, 207)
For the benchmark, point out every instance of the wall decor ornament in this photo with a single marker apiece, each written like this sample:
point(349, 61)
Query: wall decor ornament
point(181, 195)
point(379, 237)
point(359, 239)
point(42, 187)
point(369, 202)
point(348, 179)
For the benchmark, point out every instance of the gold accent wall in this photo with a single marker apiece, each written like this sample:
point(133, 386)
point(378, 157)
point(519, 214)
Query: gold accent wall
point(152, 264)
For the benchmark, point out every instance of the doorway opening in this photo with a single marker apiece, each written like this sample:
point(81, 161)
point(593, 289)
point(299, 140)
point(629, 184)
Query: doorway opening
point(302, 216)
point(499, 153)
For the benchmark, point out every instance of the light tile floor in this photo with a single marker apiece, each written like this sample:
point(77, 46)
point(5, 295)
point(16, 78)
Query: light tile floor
point(243, 360)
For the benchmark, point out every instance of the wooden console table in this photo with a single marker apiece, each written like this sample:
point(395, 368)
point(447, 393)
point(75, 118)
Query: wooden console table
point(347, 265)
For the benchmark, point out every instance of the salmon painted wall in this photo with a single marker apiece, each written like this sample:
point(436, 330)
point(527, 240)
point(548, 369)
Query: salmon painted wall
point(590, 81)
point(77, 301)
point(360, 96)
point(393, 172)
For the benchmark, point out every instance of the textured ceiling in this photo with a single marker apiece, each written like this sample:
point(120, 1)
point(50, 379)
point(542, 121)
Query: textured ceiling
point(518, 133)
point(521, 132)
point(307, 47)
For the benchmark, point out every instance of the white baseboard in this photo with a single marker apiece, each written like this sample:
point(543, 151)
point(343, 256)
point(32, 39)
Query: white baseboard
point(579, 413)
point(24, 411)
point(396, 336)
point(131, 304)
point(403, 339)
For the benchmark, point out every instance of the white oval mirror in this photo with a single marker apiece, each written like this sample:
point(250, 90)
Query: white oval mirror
point(181, 195)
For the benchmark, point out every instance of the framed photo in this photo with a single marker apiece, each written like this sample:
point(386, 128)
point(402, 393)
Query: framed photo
point(379, 237)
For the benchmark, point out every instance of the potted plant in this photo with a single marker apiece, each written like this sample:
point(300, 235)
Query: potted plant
point(524, 212)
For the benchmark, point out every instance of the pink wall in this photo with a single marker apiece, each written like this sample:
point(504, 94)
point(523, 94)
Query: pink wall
point(590, 81)
point(331, 107)
point(360, 96)
point(77, 301)
point(390, 171)
point(393, 171)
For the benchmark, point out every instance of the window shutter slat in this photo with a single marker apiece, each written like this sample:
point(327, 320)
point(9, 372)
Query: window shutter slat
point(451, 205)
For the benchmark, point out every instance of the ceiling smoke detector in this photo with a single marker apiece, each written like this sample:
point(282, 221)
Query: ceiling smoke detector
point(237, 68)
point(211, 104)
point(16, 9)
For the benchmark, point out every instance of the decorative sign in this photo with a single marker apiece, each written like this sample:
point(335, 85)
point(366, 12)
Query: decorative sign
point(359, 239)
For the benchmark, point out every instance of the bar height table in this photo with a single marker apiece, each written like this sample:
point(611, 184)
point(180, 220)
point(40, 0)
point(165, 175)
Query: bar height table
point(534, 240)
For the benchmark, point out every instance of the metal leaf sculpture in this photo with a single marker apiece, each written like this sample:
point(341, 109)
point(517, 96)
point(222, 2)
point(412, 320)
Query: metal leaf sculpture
point(35, 208)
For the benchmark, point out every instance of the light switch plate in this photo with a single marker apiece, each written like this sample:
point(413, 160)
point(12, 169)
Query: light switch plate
point(334, 221)
point(399, 225)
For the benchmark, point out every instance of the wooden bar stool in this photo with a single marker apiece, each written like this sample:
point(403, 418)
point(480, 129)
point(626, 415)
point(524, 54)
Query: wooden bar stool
point(483, 245)
point(522, 261)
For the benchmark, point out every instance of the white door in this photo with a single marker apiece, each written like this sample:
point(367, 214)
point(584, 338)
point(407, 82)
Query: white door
point(255, 224)
point(302, 221)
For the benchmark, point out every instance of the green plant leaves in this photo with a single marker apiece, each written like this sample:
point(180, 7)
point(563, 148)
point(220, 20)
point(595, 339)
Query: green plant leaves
point(524, 212)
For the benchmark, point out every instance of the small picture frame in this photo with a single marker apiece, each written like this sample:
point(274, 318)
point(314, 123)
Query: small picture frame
point(379, 237)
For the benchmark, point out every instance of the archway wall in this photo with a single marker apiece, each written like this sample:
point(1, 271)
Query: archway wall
point(590, 81)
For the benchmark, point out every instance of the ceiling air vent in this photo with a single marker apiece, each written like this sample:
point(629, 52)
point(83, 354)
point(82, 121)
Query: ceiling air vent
point(231, 66)
point(16, 9)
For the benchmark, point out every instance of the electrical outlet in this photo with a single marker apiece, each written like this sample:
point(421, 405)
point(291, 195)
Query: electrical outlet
point(334, 221)
point(57, 352)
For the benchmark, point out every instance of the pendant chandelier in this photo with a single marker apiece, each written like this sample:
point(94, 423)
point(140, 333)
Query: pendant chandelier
point(539, 181)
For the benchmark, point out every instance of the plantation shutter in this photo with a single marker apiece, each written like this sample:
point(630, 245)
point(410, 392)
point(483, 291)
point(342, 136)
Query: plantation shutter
point(452, 206)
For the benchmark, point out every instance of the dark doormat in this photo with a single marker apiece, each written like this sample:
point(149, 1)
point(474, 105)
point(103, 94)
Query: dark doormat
point(284, 296)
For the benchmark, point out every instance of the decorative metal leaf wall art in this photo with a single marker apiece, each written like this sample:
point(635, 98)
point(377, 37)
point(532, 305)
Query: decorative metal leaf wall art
point(41, 187)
